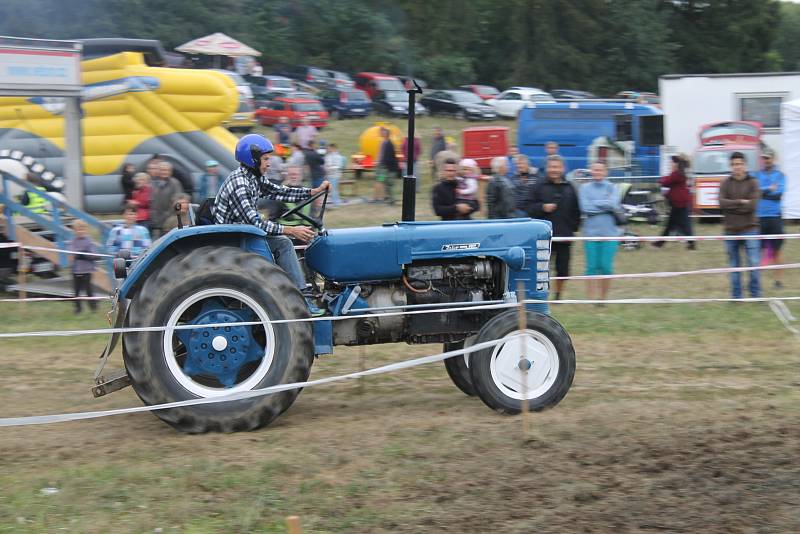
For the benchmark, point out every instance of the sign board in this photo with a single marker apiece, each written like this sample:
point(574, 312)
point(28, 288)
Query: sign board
point(29, 65)
point(706, 192)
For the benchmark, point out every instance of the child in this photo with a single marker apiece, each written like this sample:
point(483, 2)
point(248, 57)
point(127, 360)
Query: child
point(467, 188)
point(141, 197)
point(82, 264)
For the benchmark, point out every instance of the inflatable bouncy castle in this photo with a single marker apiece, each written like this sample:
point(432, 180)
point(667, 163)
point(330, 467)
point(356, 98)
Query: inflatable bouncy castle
point(130, 111)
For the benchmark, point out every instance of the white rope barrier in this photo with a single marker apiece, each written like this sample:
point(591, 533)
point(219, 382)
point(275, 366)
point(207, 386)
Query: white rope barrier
point(55, 299)
point(632, 238)
point(669, 274)
point(77, 416)
point(365, 313)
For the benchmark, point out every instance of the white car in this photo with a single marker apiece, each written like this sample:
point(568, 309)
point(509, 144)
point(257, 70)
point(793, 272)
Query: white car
point(509, 102)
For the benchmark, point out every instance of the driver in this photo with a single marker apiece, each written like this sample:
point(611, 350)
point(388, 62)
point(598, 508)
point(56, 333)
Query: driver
point(239, 194)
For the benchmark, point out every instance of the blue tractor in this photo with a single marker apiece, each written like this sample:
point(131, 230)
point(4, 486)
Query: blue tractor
point(217, 274)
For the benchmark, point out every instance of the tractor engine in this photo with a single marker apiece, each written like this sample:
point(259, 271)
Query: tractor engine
point(432, 282)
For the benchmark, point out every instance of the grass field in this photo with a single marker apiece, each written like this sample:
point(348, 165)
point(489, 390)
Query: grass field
point(682, 418)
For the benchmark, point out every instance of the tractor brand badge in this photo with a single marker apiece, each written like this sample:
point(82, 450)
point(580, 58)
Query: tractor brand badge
point(460, 246)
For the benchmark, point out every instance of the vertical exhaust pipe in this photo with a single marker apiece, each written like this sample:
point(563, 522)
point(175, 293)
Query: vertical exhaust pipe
point(410, 180)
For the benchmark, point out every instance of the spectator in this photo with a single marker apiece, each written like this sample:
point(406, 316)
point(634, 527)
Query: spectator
point(34, 201)
point(283, 131)
point(305, 133)
point(316, 170)
point(294, 178)
point(334, 164)
point(450, 152)
point(165, 187)
point(171, 223)
point(738, 200)
point(523, 181)
point(386, 169)
point(599, 199)
point(126, 180)
point(83, 264)
point(128, 235)
point(296, 158)
point(276, 169)
point(500, 192)
point(679, 200)
point(141, 197)
point(209, 182)
point(556, 200)
point(772, 182)
point(187, 184)
point(513, 151)
point(445, 204)
point(550, 149)
point(438, 144)
point(467, 188)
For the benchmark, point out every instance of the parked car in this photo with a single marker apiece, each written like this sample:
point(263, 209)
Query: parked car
point(460, 104)
point(485, 92)
point(395, 103)
point(313, 75)
point(508, 103)
point(243, 119)
point(295, 109)
point(339, 79)
point(571, 94)
point(277, 84)
point(345, 102)
point(374, 83)
point(640, 97)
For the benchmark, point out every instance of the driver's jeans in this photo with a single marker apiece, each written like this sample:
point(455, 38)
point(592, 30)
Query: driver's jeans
point(286, 258)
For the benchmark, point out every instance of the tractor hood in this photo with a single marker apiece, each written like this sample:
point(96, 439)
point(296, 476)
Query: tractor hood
point(379, 253)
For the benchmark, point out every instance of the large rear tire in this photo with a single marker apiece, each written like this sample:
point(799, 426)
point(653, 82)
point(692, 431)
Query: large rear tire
point(500, 377)
point(214, 285)
point(458, 366)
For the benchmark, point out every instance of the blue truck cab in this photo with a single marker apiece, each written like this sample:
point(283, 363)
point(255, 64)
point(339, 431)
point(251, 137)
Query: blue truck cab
point(627, 136)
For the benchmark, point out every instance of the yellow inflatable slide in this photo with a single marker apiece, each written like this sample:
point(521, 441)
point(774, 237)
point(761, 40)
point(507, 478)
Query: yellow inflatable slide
point(130, 112)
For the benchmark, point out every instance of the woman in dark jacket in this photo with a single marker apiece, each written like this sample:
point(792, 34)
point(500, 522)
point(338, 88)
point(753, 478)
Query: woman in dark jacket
point(127, 181)
point(679, 200)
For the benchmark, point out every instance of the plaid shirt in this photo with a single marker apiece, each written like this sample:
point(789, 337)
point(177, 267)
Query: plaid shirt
point(238, 197)
point(135, 238)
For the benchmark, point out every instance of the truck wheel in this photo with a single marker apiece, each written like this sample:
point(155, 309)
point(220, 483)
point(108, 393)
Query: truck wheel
point(548, 370)
point(213, 285)
point(458, 366)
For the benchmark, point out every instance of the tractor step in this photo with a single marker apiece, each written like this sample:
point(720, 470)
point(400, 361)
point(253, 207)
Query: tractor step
point(113, 382)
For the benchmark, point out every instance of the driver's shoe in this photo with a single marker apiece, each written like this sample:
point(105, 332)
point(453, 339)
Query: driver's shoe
point(313, 309)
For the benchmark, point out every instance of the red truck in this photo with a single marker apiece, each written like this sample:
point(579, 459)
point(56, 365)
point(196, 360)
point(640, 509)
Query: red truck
point(711, 162)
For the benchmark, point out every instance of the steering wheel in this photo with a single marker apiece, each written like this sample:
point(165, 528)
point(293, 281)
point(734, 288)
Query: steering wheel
point(315, 223)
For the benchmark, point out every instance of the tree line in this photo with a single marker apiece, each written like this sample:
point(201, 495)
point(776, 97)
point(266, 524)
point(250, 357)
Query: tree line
point(598, 45)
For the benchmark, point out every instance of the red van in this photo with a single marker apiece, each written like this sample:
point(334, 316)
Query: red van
point(374, 83)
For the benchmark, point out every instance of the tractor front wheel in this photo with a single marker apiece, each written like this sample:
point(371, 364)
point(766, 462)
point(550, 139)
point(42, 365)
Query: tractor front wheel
point(204, 290)
point(458, 366)
point(536, 367)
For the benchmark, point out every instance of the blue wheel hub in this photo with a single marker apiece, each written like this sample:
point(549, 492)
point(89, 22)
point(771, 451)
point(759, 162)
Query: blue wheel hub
point(220, 351)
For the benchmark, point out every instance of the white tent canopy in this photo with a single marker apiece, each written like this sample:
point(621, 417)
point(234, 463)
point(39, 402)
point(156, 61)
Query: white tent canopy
point(217, 44)
point(790, 156)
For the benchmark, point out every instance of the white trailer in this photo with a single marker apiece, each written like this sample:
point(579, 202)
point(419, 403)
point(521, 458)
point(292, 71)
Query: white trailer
point(691, 100)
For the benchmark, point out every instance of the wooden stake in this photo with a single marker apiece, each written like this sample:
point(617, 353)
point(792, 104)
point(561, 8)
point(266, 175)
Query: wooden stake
point(361, 368)
point(293, 525)
point(523, 357)
point(22, 271)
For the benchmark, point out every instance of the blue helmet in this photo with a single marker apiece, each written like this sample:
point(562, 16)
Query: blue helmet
point(250, 148)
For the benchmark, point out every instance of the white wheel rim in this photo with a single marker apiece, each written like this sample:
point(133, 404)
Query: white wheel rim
point(202, 390)
point(510, 379)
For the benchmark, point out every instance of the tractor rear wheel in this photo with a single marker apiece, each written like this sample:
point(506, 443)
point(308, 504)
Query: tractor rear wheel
point(211, 286)
point(458, 366)
point(504, 381)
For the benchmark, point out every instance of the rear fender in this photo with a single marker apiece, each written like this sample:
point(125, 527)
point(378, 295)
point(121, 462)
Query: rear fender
point(178, 242)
